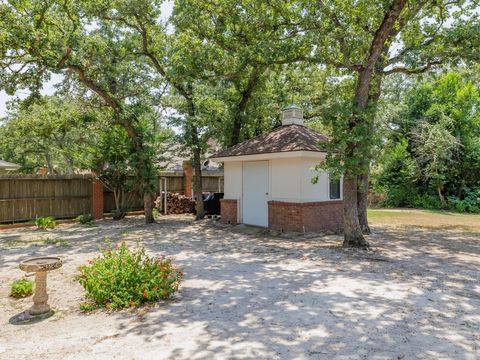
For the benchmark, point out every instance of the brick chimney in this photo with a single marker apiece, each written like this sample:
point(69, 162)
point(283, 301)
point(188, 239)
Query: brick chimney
point(292, 114)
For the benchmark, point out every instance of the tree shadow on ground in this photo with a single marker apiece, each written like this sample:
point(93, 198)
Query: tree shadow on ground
point(418, 297)
point(257, 296)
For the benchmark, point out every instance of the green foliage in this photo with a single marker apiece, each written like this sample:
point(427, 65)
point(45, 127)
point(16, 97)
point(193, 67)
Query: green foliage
point(86, 219)
point(113, 165)
point(469, 203)
point(227, 66)
point(45, 222)
point(87, 306)
point(51, 132)
point(396, 179)
point(21, 288)
point(432, 156)
point(121, 278)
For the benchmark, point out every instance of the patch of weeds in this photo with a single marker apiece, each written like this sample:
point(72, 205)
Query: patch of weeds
point(21, 288)
point(45, 222)
point(88, 306)
point(58, 242)
point(85, 219)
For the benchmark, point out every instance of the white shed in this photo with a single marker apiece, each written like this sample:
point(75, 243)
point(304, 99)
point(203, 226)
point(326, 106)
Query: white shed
point(268, 180)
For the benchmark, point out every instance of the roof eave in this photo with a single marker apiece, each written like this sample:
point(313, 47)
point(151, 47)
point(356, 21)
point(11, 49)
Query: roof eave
point(273, 155)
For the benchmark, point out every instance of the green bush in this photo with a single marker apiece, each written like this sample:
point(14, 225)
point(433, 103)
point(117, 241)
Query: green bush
point(470, 203)
point(121, 277)
point(45, 222)
point(21, 288)
point(427, 201)
point(86, 219)
point(395, 178)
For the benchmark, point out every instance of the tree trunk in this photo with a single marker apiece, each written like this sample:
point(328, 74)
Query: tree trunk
point(353, 236)
point(116, 197)
point(198, 184)
point(363, 179)
point(237, 127)
point(362, 201)
point(48, 160)
point(440, 195)
point(148, 207)
point(245, 95)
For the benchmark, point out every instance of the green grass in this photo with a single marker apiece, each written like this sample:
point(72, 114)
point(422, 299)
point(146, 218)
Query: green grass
point(424, 218)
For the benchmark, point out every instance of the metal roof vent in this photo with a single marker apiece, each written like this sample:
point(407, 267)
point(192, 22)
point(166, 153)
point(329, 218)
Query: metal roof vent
point(292, 114)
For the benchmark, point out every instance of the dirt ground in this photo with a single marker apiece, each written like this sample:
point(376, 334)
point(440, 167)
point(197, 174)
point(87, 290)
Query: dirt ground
point(249, 295)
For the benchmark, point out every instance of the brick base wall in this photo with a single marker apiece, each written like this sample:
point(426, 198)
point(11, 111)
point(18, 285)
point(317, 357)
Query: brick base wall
point(228, 211)
point(305, 217)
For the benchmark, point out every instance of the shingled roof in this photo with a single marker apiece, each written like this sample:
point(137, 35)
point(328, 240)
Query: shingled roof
point(282, 139)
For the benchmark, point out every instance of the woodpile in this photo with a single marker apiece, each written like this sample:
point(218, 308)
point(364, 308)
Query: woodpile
point(176, 204)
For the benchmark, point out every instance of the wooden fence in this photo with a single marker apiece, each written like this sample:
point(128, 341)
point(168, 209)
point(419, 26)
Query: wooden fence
point(25, 197)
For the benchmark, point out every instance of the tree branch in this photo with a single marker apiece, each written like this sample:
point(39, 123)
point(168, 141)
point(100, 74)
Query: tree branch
point(408, 71)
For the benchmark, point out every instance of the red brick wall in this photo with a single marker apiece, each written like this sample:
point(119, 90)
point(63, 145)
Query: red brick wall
point(228, 211)
point(97, 199)
point(285, 216)
point(188, 175)
point(325, 215)
point(305, 217)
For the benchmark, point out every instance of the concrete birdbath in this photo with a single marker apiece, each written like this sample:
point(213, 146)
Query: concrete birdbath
point(40, 266)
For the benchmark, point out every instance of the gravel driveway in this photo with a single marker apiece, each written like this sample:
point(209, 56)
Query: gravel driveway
point(249, 295)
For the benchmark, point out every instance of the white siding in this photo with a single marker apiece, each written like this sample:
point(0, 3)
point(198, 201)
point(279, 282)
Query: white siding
point(314, 192)
point(285, 176)
point(233, 180)
point(233, 184)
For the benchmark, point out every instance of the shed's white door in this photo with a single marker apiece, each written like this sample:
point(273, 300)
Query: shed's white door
point(255, 193)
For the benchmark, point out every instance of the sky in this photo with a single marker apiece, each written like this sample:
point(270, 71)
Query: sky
point(48, 88)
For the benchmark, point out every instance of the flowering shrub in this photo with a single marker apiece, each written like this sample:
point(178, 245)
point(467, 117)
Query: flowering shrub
point(121, 277)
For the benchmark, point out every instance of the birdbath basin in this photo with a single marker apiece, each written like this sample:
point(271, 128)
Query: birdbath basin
point(39, 266)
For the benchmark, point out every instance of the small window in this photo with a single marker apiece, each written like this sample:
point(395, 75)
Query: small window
point(334, 188)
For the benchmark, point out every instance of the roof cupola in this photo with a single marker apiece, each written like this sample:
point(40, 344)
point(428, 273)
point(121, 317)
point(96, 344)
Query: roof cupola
point(292, 114)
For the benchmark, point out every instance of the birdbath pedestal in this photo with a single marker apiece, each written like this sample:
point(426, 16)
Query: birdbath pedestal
point(40, 266)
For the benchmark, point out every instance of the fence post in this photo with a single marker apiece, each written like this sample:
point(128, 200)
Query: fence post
point(97, 199)
point(188, 176)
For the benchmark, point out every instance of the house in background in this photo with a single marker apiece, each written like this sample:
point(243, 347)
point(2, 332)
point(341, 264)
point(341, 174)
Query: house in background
point(268, 180)
point(6, 166)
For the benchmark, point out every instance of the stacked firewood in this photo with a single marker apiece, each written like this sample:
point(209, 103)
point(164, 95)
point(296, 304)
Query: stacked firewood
point(176, 204)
